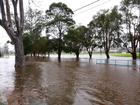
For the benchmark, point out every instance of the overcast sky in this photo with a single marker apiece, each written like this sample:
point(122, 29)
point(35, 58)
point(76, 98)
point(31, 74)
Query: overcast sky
point(82, 17)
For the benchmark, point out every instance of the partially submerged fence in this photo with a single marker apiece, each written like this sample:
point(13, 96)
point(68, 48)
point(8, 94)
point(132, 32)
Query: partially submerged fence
point(118, 62)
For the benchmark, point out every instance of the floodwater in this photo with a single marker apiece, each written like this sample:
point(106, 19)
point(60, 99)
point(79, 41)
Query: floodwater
point(68, 83)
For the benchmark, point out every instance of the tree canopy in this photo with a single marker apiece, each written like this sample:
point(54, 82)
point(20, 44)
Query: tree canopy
point(58, 19)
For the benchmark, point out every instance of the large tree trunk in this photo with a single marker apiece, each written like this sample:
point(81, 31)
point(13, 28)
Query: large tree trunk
point(134, 52)
point(59, 48)
point(59, 55)
point(107, 54)
point(77, 55)
point(134, 55)
point(90, 54)
point(14, 31)
point(19, 53)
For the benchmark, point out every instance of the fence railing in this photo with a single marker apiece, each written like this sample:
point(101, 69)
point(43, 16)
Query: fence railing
point(118, 62)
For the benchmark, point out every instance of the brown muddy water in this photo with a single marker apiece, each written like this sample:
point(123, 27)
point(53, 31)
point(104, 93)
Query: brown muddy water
point(68, 83)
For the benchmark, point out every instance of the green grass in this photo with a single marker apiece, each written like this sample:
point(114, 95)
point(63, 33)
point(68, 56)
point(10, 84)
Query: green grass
point(123, 55)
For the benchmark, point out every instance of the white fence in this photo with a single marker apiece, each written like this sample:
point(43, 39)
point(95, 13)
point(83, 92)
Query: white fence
point(118, 62)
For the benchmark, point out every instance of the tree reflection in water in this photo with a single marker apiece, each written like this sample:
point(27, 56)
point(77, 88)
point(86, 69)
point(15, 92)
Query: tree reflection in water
point(27, 88)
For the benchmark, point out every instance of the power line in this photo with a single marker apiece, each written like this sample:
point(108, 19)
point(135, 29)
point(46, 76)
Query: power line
point(93, 7)
point(86, 5)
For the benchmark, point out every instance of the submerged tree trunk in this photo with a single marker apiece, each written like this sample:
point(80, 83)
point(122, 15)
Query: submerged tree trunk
point(59, 47)
point(34, 54)
point(90, 55)
point(59, 56)
point(77, 55)
point(19, 53)
point(107, 54)
point(59, 50)
point(134, 55)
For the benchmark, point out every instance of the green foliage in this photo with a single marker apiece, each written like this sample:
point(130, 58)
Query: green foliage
point(131, 35)
point(105, 28)
point(39, 46)
point(58, 20)
point(89, 35)
point(34, 24)
point(73, 40)
point(27, 42)
point(52, 45)
point(42, 45)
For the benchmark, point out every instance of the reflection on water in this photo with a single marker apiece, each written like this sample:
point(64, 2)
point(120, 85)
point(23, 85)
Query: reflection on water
point(68, 83)
point(6, 78)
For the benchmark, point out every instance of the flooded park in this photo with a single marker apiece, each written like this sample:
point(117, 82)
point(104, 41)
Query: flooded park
point(70, 82)
point(85, 52)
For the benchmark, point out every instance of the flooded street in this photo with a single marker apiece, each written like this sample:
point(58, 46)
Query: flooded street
point(68, 83)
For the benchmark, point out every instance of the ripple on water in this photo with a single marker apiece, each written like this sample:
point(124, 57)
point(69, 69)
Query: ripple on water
point(7, 76)
point(68, 83)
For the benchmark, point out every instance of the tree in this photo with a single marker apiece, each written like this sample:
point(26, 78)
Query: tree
point(51, 45)
point(136, 3)
point(73, 41)
point(14, 31)
point(34, 24)
point(59, 18)
point(33, 19)
point(42, 45)
point(130, 38)
point(109, 26)
point(27, 42)
point(90, 39)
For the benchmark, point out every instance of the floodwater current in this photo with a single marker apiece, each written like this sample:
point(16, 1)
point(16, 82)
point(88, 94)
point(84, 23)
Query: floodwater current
point(68, 83)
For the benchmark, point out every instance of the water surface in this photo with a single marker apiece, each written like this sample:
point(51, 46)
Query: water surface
point(68, 83)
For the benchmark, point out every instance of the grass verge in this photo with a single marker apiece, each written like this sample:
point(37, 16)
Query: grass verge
point(123, 55)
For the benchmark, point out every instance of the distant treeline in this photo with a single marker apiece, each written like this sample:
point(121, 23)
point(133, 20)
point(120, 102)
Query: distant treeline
point(115, 28)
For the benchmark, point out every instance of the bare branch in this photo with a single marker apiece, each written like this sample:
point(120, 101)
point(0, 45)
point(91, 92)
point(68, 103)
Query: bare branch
point(2, 10)
point(8, 29)
point(16, 15)
point(8, 12)
point(21, 9)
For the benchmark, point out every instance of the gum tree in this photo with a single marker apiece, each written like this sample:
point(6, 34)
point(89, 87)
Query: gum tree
point(91, 35)
point(73, 40)
point(130, 38)
point(14, 26)
point(109, 24)
point(34, 24)
point(59, 18)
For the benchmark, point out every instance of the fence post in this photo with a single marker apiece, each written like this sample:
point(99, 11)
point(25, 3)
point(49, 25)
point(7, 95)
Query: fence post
point(128, 62)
